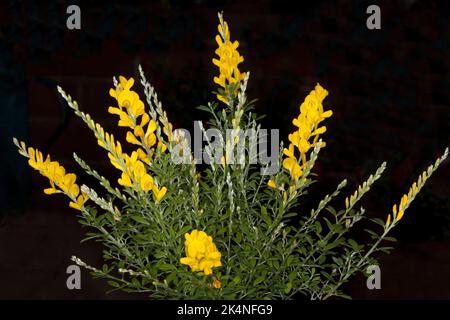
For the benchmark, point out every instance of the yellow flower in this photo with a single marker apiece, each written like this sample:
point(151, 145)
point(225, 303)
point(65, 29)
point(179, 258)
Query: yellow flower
point(78, 204)
point(388, 220)
point(272, 184)
point(216, 284)
point(201, 252)
point(132, 114)
point(158, 194)
point(162, 146)
point(134, 172)
point(123, 84)
point(229, 59)
point(60, 181)
point(399, 211)
point(293, 167)
point(308, 130)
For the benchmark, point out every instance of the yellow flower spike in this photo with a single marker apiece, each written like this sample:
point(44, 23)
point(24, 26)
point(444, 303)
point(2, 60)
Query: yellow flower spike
point(130, 109)
point(229, 59)
point(60, 181)
point(415, 188)
point(308, 131)
point(201, 252)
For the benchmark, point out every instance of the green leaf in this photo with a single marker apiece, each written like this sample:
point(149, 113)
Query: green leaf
point(379, 222)
point(258, 281)
point(353, 244)
point(113, 284)
point(140, 219)
point(373, 234)
point(166, 267)
point(331, 210)
point(265, 216)
point(204, 108)
point(288, 288)
point(289, 260)
point(318, 227)
point(136, 282)
point(290, 215)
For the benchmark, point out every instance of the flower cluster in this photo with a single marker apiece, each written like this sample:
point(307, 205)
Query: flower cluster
point(60, 181)
point(229, 59)
point(131, 112)
point(308, 121)
point(130, 109)
point(406, 199)
point(201, 252)
point(134, 173)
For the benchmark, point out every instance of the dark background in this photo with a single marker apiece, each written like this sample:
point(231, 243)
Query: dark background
point(389, 91)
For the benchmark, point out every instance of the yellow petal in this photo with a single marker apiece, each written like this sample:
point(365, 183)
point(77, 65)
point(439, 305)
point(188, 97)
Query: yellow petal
point(327, 114)
point(400, 215)
point(151, 127)
point(51, 191)
point(216, 284)
point(113, 110)
point(74, 190)
point(151, 140)
point(146, 183)
point(320, 130)
point(125, 180)
point(159, 193)
point(132, 139)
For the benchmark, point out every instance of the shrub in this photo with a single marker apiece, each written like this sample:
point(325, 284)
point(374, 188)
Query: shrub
point(226, 231)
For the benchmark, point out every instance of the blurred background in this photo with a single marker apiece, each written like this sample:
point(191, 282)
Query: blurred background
point(389, 91)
